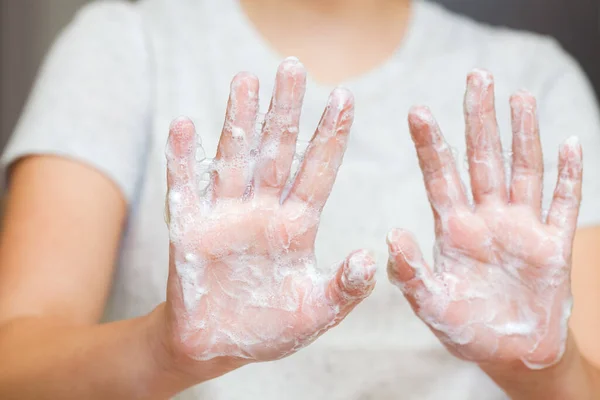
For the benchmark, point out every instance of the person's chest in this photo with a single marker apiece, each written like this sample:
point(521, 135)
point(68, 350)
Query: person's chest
point(381, 344)
point(379, 186)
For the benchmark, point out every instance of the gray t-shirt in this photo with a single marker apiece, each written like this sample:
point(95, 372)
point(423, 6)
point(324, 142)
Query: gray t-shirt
point(121, 72)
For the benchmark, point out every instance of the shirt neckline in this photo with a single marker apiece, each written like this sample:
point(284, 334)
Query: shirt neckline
point(376, 81)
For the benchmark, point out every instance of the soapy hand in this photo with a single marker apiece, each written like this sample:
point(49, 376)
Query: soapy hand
point(243, 280)
point(499, 290)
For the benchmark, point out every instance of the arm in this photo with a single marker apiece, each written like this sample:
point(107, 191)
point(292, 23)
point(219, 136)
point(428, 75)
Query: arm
point(64, 219)
point(61, 230)
point(242, 284)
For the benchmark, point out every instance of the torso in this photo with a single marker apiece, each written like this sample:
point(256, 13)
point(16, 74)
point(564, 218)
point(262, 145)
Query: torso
point(381, 351)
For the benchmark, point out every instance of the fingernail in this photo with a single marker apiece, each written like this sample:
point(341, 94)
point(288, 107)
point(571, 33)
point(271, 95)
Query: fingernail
point(480, 77)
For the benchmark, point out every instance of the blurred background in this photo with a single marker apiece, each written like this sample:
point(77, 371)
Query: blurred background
point(28, 27)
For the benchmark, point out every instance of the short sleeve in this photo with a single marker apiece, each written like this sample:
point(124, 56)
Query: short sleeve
point(568, 107)
point(90, 102)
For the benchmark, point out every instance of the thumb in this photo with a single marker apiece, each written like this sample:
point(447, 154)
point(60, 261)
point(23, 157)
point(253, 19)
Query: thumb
point(353, 281)
point(407, 268)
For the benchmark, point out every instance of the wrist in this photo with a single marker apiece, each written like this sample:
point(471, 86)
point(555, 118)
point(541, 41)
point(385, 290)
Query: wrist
point(168, 371)
point(174, 363)
point(570, 378)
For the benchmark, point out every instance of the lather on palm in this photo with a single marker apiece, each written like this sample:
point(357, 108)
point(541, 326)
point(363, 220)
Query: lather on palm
point(499, 290)
point(243, 280)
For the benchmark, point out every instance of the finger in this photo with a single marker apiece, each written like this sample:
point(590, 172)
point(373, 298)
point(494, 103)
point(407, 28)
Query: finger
point(484, 149)
point(442, 181)
point(280, 129)
point(325, 151)
point(408, 270)
point(567, 194)
point(353, 281)
point(527, 162)
point(233, 160)
point(182, 189)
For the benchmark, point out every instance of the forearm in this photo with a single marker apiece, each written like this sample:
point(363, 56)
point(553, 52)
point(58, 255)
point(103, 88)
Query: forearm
point(572, 378)
point(44, 359)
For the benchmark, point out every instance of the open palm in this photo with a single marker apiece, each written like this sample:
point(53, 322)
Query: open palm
point(243, 281)
point(500, 289)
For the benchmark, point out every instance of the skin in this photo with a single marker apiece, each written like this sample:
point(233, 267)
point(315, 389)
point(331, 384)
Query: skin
point(47, 337)
point(44, 335)
point(327, 35)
